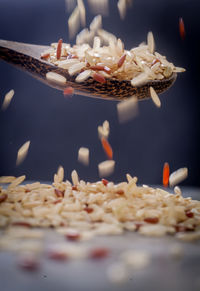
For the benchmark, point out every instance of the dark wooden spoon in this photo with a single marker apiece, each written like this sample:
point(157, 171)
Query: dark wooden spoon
point(27, 57)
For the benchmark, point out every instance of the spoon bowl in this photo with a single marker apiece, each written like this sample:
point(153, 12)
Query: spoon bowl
point(27, 57)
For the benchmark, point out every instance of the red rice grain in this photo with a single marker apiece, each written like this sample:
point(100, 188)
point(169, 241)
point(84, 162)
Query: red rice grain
point(166, 173)
point(99, 78)
point(68, 91)
point(181, 28)
point(59, 193)
point(3, 198)
point(152, 220)
point(121, 61)
point(107, 148)
point(99, 253)
point(88, 209)
point(104, 181)
point(59, 49)
point(57, 255)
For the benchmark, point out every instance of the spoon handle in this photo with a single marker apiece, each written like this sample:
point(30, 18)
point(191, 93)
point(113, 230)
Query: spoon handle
point(27, 57)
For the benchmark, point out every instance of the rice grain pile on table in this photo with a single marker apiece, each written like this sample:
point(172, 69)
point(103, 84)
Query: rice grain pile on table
point(98, 208)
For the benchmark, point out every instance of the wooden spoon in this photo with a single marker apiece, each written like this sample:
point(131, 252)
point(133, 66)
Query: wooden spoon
point(27, 57)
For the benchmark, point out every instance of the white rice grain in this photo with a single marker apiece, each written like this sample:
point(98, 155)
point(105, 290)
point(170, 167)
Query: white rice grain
point(96, 23)
point(60, 174)
point(150, 42)
point(177, 190)
point(75, 178)
point(96, 43)
point(139, 80)
point(17, 181)
point(66, 64)
point(57, 78)
point(76, 68)
point(121, 4)
point(7, 179)
point(74, 22)
point(154, 97)
point(22, 152)
point(83, 156)
point(7, 99)
point(83, 76)
point(127, 110)
point(178, 176)
point(82, 13)
point(99, 7)
point(106, 168)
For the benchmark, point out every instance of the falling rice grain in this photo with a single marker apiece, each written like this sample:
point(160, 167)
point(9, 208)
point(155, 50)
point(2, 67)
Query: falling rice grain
point(74, 22)
point(107, 148)
point(100, 7)
point(69, 91)
point(178, 176)
point(7, 99)
point(127, 109)
point(22, 153)
point(155, 97)
point(81, 8)
point(121, 4)
point(166, 172)
point(181, 28)
point(96, 23)
point(70, 4)
point(83, 156)
point(54, 77)
point(106, 168)
point(150, 42)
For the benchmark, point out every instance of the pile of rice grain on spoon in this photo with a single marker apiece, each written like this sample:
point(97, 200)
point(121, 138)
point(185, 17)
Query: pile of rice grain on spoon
point(107, 58)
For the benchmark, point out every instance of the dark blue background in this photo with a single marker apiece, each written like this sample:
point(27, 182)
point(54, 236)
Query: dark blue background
point(57, 126)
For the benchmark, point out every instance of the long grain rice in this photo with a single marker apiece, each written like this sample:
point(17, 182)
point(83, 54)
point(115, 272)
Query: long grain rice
point(127, 109)
point(83, 156)
point(155, 97)
point(54, 77)
point(7, 99)
point(106, 168)
point(178, 176)
point(83, 76)
point(121, 4)
point(82, 13)
point(96, 23)
point(22, 153)
point(99, 7)
point(74, 22)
